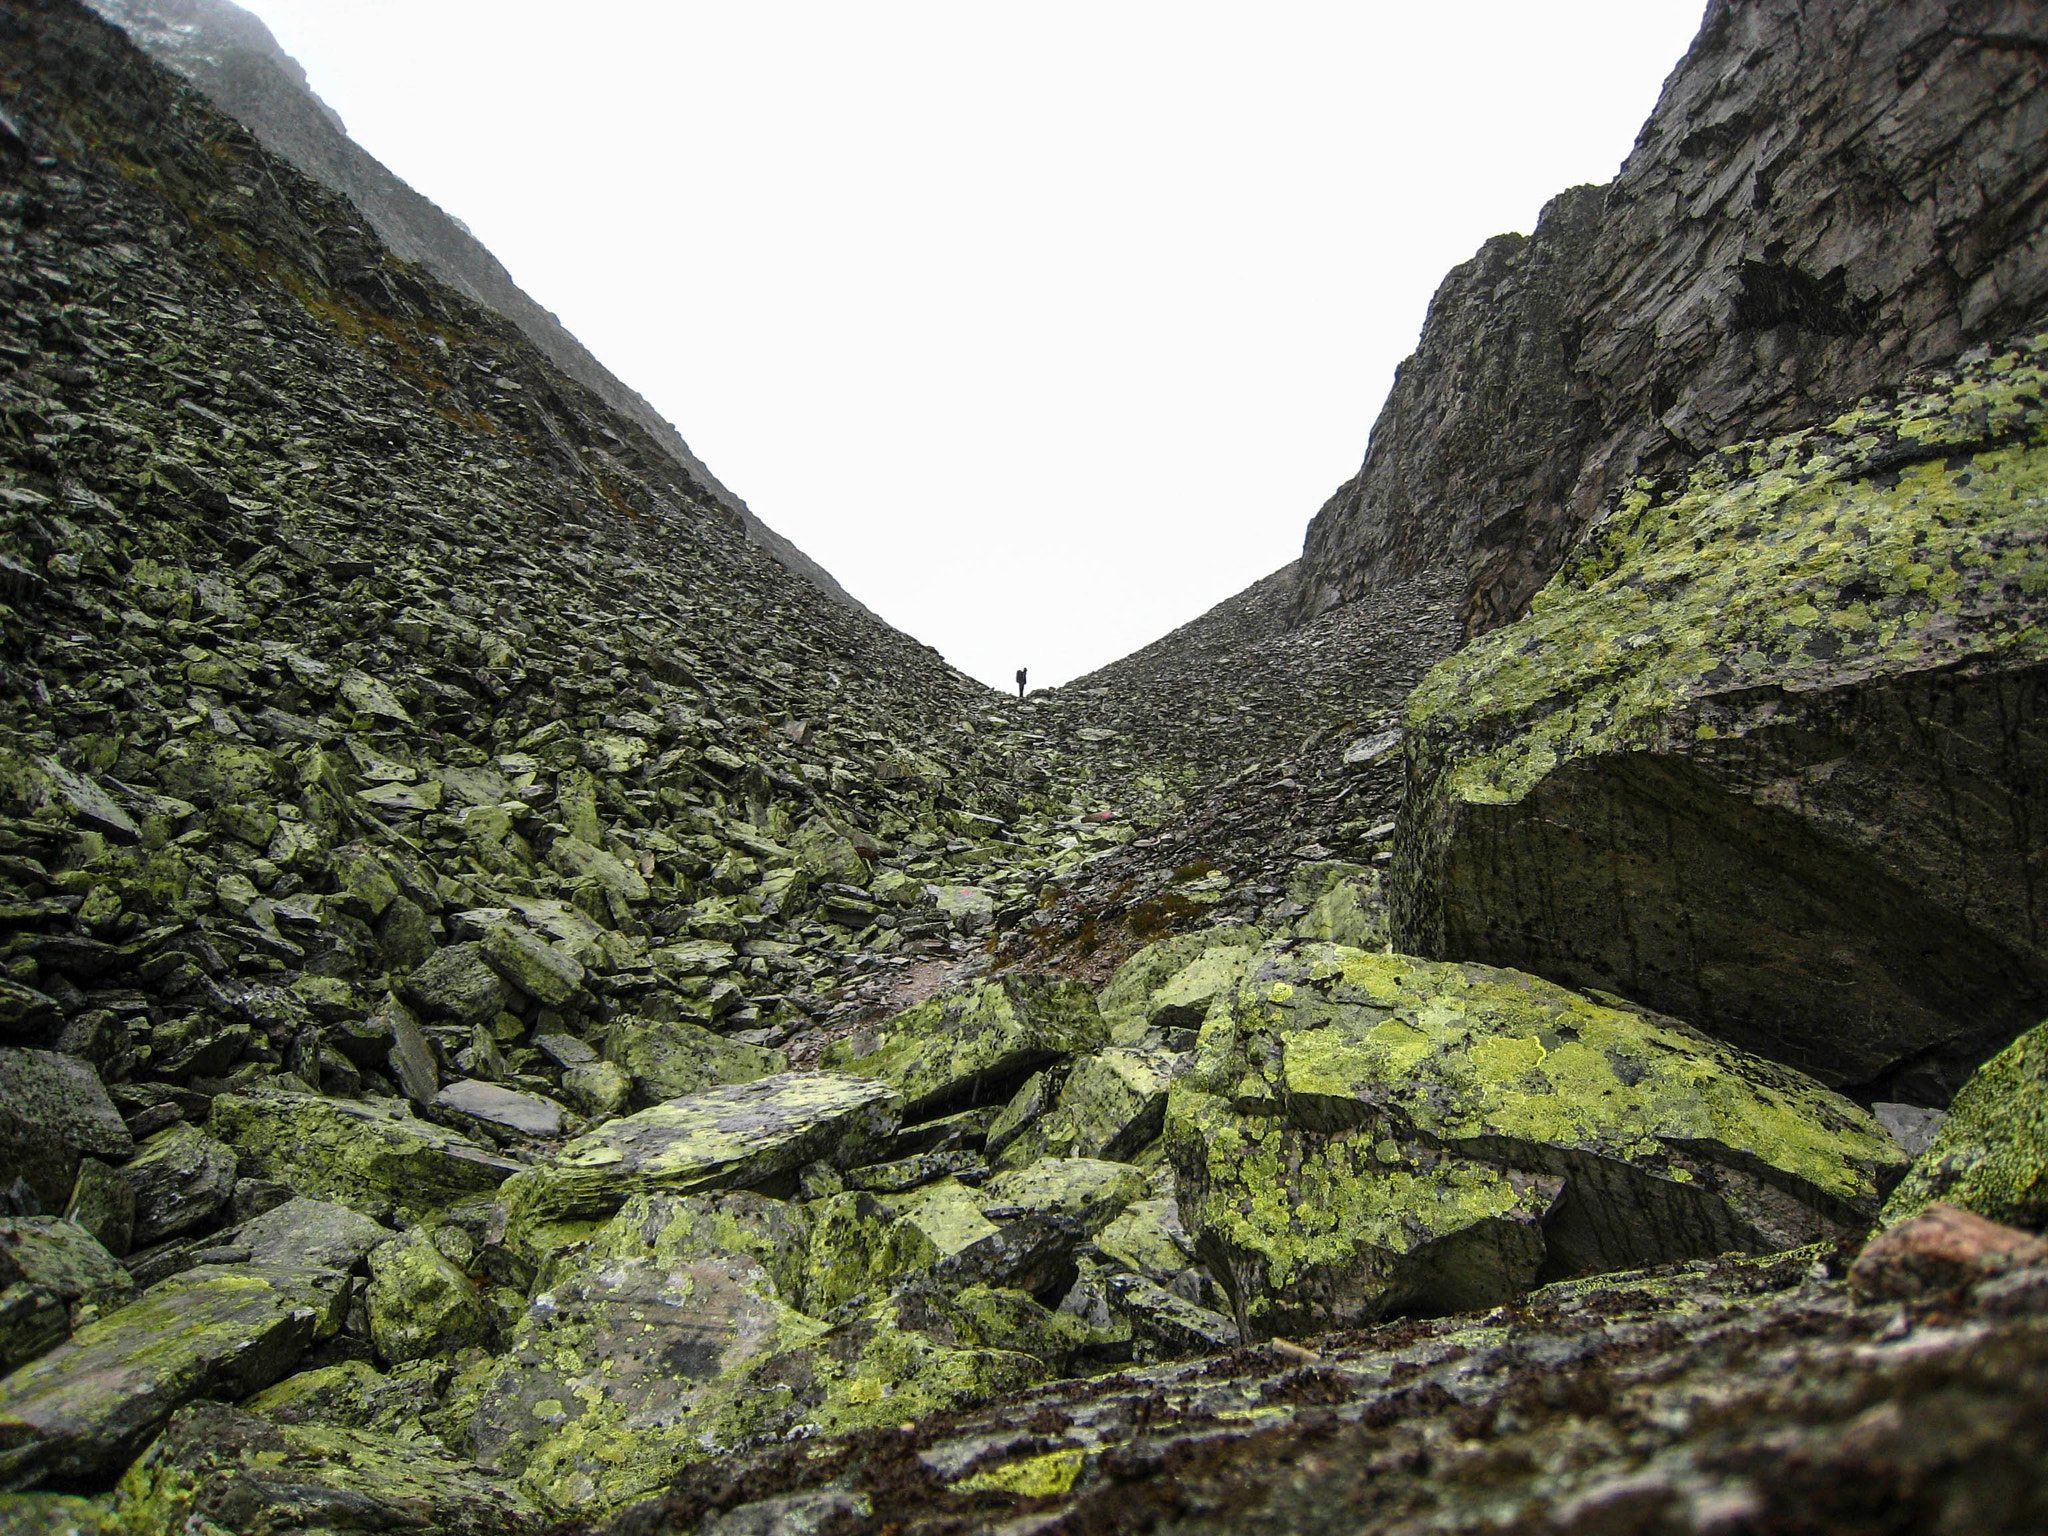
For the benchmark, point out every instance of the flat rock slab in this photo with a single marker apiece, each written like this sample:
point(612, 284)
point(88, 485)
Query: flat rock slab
point(217, 1468)
point(526, 1114)
point(1375, 1132)
point(975, 1044)
point(53, 1112)
point(315, 1232)
point(724, 1138)
point(369, 1158)
point(83, 1411)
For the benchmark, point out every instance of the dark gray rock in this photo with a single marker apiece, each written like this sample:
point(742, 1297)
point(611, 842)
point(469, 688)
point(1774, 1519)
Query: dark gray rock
point(53, 1112)
point(182, 1178)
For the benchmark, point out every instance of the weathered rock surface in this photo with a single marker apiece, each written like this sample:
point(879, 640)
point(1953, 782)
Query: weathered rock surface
point(53, 1277)
point(1368, 1133)
point(1705, 772)
point(1756, 1393)
point(1756, 266)
point(83, 1411)
point(182, 1178)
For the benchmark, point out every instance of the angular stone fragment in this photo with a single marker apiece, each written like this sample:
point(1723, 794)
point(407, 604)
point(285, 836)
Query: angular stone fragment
point(182, 1178)
point(581, 860)
point(723, 1138)
point(421, 1304)
point(219, 1468)
point(368, 1157)
point(81, 1412)
point(674, 1060)
point(1091, 1191)
point(1171, 1324)
point(1112, 1106)
point(972, 1045)
point(1700, 773)
point(316, 1232)
point(1127, 1003)
point(53, 1112)
point(103, 1203)
point(1367, 1132)
point(1940, 1254)
point(537, 968)
point(525, 1114)
point(51, 1272)
point(1347, 904)
point(1991, 1155)
point(458, 984)
point(1148, 1238)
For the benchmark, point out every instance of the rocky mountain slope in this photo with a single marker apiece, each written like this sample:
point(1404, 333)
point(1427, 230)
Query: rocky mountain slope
point(519, 1016)
point(231, 56)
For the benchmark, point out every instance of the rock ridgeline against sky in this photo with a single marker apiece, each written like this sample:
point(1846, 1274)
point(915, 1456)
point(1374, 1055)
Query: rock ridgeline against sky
point(231, 56)
point(518, 1015)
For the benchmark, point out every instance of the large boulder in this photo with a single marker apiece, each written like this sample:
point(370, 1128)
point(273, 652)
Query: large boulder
point(1763, 755)
point(723, 1138)
point(373, 1158)
point(1990, 1155)
point(1364, 1133)
point(81, 1412)
point(217, 1468)
point(974, 1045)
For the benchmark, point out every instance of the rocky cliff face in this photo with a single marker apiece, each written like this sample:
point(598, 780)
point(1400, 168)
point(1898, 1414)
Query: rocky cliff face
point(231, 56)
point(1826, 198)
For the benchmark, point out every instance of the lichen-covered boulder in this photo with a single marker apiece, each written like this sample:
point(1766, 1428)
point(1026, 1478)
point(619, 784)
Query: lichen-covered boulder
point(1347, 904)
point(1131, 1005)
point(1111, 1106)
point(181, 1177)
point(420, 1304)
point(674, 1060)
point(1090, 1190)
point(54, 1275)
point(975, 1044)
point(595, 1401)
point(53, 1113)
point(723, 1138)
point(1991, 1154)
point(1371, 1132)
point(81, 1412)
point(1764, 754)
point(217, 1468)
point(862, 1244)
point(458, 984)
point(370, 1157)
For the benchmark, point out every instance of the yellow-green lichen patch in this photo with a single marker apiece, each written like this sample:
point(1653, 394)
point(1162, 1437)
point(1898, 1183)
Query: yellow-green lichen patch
point(1374, 1130)
point(1991, 1155)
point(1034, 1477)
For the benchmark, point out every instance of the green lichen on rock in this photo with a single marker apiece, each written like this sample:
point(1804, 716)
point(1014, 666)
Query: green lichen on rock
point(962, 1046)
point(1991, 1154)
point(674, 1060)
point(1369, 1131)
point(1698, 772)
point(216, 1468)
point(723, 1138)
point(370, 1157)
point(1090, 1190)
point(420, 1304)
point(1128, 1002)
point(82, 1411)
point(1111, 1106)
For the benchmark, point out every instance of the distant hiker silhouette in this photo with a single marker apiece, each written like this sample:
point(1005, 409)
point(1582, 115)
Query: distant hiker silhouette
point(1020, 681)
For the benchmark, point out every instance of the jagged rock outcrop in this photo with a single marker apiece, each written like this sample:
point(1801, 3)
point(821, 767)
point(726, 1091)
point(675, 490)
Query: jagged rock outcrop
point(1764, 755)
point(1826, 199)
point(228, 53)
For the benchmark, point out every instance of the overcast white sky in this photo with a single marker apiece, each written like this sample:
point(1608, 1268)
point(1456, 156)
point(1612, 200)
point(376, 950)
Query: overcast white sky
point(1044, 326)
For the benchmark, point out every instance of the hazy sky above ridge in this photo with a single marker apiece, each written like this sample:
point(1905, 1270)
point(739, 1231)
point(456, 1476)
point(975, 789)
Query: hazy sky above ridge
point(1043, 327)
